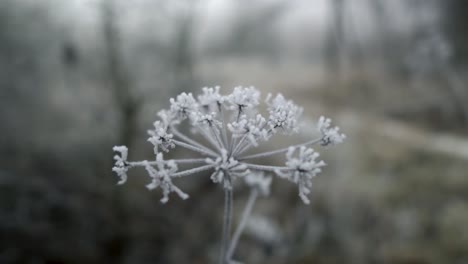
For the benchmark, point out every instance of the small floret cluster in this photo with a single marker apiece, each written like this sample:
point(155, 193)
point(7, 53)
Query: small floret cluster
point(230, 126)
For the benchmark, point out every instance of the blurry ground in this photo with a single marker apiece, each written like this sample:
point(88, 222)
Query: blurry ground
point(73, 86)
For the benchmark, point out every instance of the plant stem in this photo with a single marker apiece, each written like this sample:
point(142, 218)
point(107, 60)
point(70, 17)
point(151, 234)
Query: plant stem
point(189, 140)
point(192, 171)
point(278, 151)
point(197, 149)
point(224, 133)
point(266, 167)
point(240, 228)
point(226, 225)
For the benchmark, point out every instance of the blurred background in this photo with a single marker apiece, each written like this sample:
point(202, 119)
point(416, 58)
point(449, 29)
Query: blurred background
point(80, 76)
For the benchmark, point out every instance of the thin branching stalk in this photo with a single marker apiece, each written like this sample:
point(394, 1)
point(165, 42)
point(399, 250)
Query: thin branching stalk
point(189, 161)
point(241, 226)
point(197, 149)
point(192, 171)
point(177, 133)
point(153, 163)
point(227, 220)
point(209, 138)
point(266, 167)
point(239, 145)
point(279, 151)
point(224, 132)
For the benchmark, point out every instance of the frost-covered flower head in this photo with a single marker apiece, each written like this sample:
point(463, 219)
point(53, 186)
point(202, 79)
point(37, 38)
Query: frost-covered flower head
point(284, 114)
point(121, 165)
point(161, 177)
point(183, 106)
point(211, 98)
point(231, 126)
point(330, 135)
point(243, 98)
point(160, 138)
point(301, 169)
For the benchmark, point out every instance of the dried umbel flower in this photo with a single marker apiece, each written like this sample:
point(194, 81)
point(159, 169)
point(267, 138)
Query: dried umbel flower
point(230, 125)
point(330, 135)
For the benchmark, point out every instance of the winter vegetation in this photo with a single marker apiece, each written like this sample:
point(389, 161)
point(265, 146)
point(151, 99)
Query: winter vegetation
point(79, 77)
point(230, 125)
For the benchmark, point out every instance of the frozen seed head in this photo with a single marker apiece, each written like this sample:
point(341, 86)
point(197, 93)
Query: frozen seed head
point(183, 105)
point(254, 129)
point(226, 169)
point(160, 138)
point(230, 125)
point(208, 120)
point(161, 177)
point(121, 166)
point(211, 99)
point(243, 98)
point(330, 135)
point(301, 169)
point(284, 114)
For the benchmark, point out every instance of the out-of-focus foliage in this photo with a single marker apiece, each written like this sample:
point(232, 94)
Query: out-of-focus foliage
point(74, 74)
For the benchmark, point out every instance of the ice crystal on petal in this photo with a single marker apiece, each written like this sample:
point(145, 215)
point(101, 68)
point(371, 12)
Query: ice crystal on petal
point(161, 177)
point(121, 166)
point(243, 97)
point(226, 169)
point(160, 137)
point(284, 114)
point(184, 105)
point(239, 128)
point(330, 135)
point(211, 99)
point(168, 118)
point(252, 128)
point(301, 169)
point(206, 119)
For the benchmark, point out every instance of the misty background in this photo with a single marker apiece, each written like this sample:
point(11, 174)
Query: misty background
point(80, 76)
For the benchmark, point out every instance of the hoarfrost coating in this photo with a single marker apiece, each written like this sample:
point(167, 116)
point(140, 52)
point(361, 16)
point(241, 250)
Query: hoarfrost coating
point(230, 125)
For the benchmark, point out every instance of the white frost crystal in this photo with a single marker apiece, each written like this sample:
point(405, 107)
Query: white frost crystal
point(243, 97)
point(211, 98)
point(330, 135)
point(225, 168)
point(161, 177)
point(252, 128)
point(301, 169)
point(121, 166)
point(160, 137)
point(206, 119)
point(284, 114)
point(230, 125)
point(183, 105)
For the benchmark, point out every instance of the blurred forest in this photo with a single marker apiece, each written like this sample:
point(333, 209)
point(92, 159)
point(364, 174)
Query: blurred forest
point(80, 76)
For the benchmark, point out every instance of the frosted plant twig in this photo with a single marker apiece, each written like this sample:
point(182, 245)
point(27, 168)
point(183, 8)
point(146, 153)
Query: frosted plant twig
point(190, 141)
point(279, 151)
point(197, 149)
point(192, 171)
point(259, 185)
point(240, 227)
point(229, 125)
point(153, 163)
point(224, 130)
point(265, 167)
point(227, 219)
